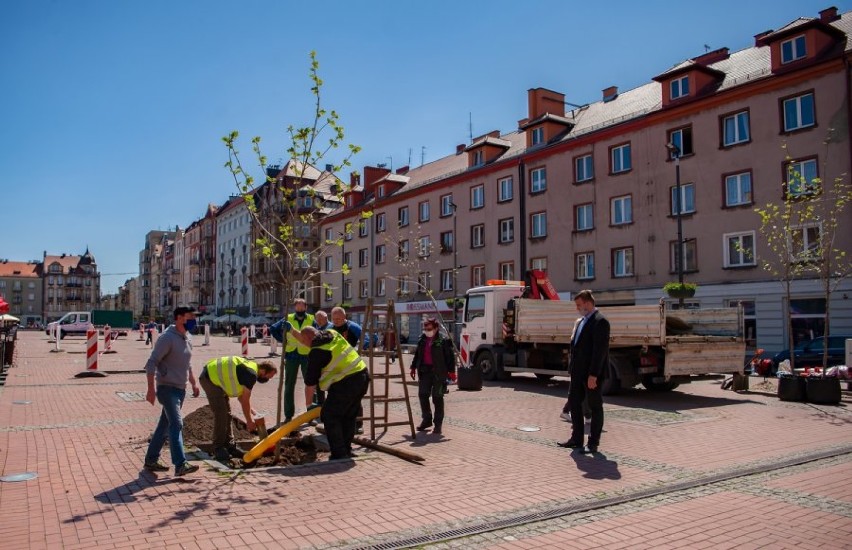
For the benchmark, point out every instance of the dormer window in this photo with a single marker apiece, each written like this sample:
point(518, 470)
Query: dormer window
point(793, 49)
point(680, 87)
point(478, 157)
point(349, 201)
point(380, 192)
point(538, 136)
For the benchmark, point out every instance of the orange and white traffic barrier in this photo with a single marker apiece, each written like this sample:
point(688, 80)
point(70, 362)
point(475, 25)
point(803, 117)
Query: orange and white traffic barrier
point(91, 349)
point(244, 340)
point(108, 340)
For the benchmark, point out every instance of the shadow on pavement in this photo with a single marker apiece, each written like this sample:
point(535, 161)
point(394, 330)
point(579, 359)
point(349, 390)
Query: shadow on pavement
point(595, 465)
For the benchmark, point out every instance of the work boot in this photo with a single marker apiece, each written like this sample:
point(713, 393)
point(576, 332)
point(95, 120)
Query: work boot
point(222, 455)
point(425, 425)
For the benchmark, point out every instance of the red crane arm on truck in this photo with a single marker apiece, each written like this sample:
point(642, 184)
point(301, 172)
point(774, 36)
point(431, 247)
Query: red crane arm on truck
point(540, 286)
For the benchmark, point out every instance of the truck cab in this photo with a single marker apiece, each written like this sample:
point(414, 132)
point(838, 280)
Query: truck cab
point(482, 326)
point(74, 322)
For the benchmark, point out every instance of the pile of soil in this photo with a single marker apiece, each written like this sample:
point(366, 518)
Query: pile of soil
point(198, 430)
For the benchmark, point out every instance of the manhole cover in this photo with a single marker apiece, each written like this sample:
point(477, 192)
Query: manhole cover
point(19, 477)
point(529, 428)
point(130, 395)
point(21, 402)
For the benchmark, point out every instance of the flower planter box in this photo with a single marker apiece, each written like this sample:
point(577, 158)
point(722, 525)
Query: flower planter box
point(823, 391)
point(469, 379)
point(791, 388)
point(681, 293)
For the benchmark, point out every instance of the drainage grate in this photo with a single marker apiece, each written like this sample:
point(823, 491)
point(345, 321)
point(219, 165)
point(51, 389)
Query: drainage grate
point(130, 396)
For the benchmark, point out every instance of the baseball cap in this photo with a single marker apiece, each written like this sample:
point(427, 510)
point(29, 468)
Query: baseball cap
point(183, 310)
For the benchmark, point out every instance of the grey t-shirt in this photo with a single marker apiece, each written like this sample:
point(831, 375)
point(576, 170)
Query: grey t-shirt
point(170, 361)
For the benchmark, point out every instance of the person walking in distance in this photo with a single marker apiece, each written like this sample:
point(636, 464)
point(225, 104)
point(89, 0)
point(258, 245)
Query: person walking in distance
point(228, 377)
point(588, 367)
point(168, 370)
point(295, 354)
point(434, 362)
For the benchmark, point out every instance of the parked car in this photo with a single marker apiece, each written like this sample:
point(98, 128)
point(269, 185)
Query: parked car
point(809, 353)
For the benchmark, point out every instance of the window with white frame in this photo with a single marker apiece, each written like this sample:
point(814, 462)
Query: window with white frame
point(682, 139)
point(363, 257)
point(381, 222)
point(424, 281)
point(802, 178)
point(402, 219)
point(423, 211)
point(477, 275)
point(507, 230)
point(584, 263)
point(538, 180)
point(403, 286)
point(538, 135)
point(381, 253)
point(329, 264)
point(329, 235)
point(739, 249)
point(507, 270)
point(380, 192)
point(363, 228)
point(621, 210)
point(363, 288)
point(799, 112)
point(424, 247)
point(735, 129)
point(478, 157)
point(687, 199)
point(446, 205)
point(404, 250)
point(738, 189)
point(446, 242)
point(446, 280)
point(539, 263)
point(538, 225)
point(690, 255)
point(620, 159)
point(793, 49)
point(477, 236)
point(804, 242)
point(347, 259)
point(584, 217)
point(381, 290)
point(504, 189)
point(300, 289)
point(622, 262)
point(584, 168)
point(477, 197)
point(679, 87)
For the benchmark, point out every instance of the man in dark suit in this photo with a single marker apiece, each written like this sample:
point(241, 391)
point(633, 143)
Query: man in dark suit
point(588, 367)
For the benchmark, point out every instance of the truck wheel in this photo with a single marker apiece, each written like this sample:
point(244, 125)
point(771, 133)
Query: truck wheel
point(611, 384)
point(544, 376)
point(651, 385)
point(485, 363)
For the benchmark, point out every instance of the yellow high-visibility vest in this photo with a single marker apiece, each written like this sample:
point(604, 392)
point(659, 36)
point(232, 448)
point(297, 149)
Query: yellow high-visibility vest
point(344, 361)
point(292, 343)
point(223, 373)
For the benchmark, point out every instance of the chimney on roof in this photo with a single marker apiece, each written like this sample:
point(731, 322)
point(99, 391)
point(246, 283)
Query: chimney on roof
point(610, 93)
point(354, 179)
point(460, 148)
point(329, 167)
point(712, 57)
point(758, 38)
point(829, 14)
point(543, 101)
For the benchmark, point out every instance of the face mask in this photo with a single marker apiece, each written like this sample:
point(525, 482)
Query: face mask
point(189, 325)
point(430, 333)
point(300, 315)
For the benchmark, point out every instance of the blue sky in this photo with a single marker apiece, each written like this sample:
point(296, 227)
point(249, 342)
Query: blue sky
point(111, 113)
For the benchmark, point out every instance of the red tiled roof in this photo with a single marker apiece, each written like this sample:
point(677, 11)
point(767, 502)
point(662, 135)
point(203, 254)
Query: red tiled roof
point(18, 269)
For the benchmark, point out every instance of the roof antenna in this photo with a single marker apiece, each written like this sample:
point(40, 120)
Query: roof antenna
point(470, 125)
point(422, 154)
point(706, 48)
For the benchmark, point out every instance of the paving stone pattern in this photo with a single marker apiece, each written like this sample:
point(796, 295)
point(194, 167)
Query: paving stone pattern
point(695, 468)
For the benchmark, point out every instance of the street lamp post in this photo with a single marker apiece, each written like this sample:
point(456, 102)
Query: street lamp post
point(342, 261)
point(675, 152)
point(455, 267)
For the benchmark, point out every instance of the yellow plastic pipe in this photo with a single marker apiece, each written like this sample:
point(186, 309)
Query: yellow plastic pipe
point(273, 438)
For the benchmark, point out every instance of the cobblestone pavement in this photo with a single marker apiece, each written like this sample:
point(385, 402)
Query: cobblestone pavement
point(695, 468)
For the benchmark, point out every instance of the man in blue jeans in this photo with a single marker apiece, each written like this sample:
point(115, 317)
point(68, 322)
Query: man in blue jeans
point(169, 366)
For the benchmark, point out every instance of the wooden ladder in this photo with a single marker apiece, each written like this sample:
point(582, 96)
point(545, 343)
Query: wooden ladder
point(382, 372)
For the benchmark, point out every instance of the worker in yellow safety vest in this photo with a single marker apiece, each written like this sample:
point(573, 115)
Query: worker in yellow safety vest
point(295, 354)
point(335, 366)
point(228, 377)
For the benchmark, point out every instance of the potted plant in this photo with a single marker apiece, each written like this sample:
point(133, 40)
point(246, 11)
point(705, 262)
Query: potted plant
point(680, 290)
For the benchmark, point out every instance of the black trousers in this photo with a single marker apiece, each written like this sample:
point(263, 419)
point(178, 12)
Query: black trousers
point(576, 395)
point(431, 385)
point(342, 401)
